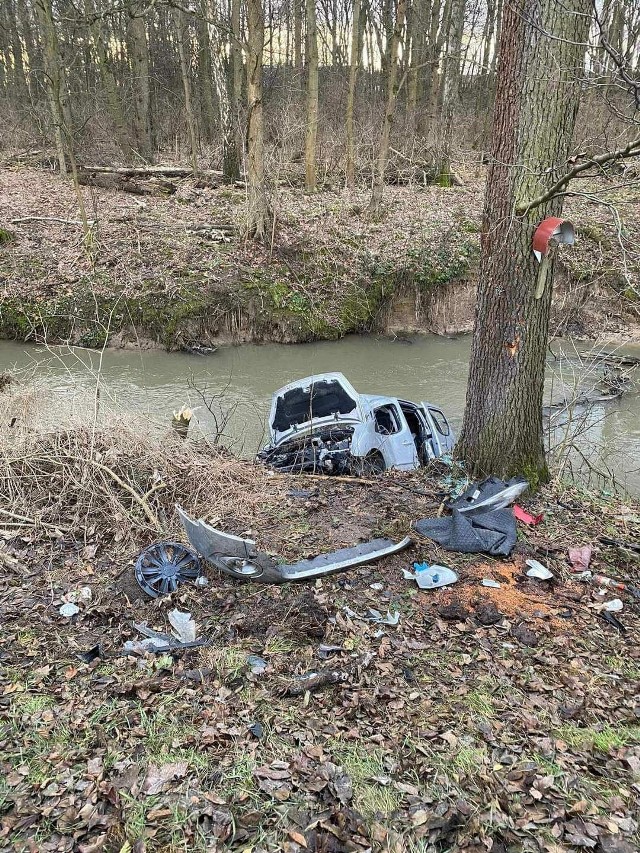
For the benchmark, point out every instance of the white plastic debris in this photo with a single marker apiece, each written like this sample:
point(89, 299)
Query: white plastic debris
point(258, 665)
point(376, 586)
point(490, 583)
point(613, 606)
point(184, 628)
point(538, 571)
point(201, 580)
point(379, 619)
point(433, 577)
point(69, 609)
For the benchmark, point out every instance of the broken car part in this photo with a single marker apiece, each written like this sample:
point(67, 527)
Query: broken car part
point(526, 517)
point(321, 424)
point(538, 571)
point(434, 576)
point(492, 493)
point(241, 559)
point(492, 532)
point(162, 567)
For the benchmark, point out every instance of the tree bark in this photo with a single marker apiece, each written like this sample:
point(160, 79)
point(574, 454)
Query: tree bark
point(297, 34)
point(54, 79)
point(356, 50)
point(534, 116)
point(107, 78)
point(230, 153)
point(312, 98)
point(181, 28)
point(392, 92)
point(450, 91)
point(257, 208)
point(139, 58)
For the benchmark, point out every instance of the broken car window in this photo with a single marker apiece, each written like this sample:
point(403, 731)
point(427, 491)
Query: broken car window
point(387, 421)
point(440, 421)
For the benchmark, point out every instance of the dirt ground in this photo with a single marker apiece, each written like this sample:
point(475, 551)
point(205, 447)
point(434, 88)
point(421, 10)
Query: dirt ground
point(456, 730)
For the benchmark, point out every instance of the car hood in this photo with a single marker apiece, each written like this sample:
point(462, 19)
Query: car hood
point(311, 403)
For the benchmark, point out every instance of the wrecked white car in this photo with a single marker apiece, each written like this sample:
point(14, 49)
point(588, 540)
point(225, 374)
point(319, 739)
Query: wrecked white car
point(321, 424)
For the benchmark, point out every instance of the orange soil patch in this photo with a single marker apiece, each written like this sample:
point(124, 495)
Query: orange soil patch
point(528, 598)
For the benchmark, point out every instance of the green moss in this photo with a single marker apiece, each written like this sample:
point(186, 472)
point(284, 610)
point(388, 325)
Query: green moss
point(6, 236)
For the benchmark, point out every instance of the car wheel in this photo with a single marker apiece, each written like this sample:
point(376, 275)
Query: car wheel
point(371, 466)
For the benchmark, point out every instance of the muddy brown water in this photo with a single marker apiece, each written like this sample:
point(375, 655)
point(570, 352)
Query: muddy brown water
point(239, 381)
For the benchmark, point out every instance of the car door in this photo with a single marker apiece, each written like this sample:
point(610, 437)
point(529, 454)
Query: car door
point(442, 437)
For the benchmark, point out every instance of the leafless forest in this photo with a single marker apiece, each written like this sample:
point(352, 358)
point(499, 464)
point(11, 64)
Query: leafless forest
point(339, 92)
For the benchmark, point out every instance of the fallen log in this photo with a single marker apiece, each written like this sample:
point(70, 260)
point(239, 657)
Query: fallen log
point(150, 171)
point(107, 181)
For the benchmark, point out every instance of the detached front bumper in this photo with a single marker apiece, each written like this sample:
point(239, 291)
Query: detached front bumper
point(240, 558)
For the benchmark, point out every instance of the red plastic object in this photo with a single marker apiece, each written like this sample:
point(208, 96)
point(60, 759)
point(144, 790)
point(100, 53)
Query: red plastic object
point(561, 229)
point(525, 517)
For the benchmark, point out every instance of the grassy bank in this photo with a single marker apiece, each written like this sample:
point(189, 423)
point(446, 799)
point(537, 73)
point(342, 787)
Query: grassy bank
point(444, 733)
point(155, 271)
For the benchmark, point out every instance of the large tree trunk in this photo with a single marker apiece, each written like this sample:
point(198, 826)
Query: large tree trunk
point(257, 209)
point(534, 117)
point(312, 98)
point(356, 50)
point(237, 69)
point(389, 113)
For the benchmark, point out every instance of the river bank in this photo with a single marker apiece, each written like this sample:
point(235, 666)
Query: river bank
point(445, 730)
point(156, 272)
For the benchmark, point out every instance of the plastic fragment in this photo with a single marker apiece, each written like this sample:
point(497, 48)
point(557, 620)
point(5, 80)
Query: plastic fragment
point(184, 627)
point(537, 570)
point(202, 580)
point(580, 558)
point(379, 619)
point(613, 606)
point(491, 583)
point(376, 586)
point(433, 577)
point(258, 665)
point(69, 609)
point(526, 517)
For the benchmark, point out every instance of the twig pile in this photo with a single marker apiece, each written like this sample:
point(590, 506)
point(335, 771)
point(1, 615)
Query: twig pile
point(122, 481)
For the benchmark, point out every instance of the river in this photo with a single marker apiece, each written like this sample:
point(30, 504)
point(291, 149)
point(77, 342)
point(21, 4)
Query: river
point(240, 381)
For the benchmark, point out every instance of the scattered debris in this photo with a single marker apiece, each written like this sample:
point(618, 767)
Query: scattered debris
point(538, 571)
point(378, 587)
point(580, 558)
point(492, 493)
point(315, 680)
point(526, 517)
point(493, 532)
point(453, 612)
point(91, 654)
point(184, 627)
point(257, 664)
point(257, 730)
point(432, 577)
point(613, 620)
point(379, 619)
point(490, 583)
point(69, 609)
